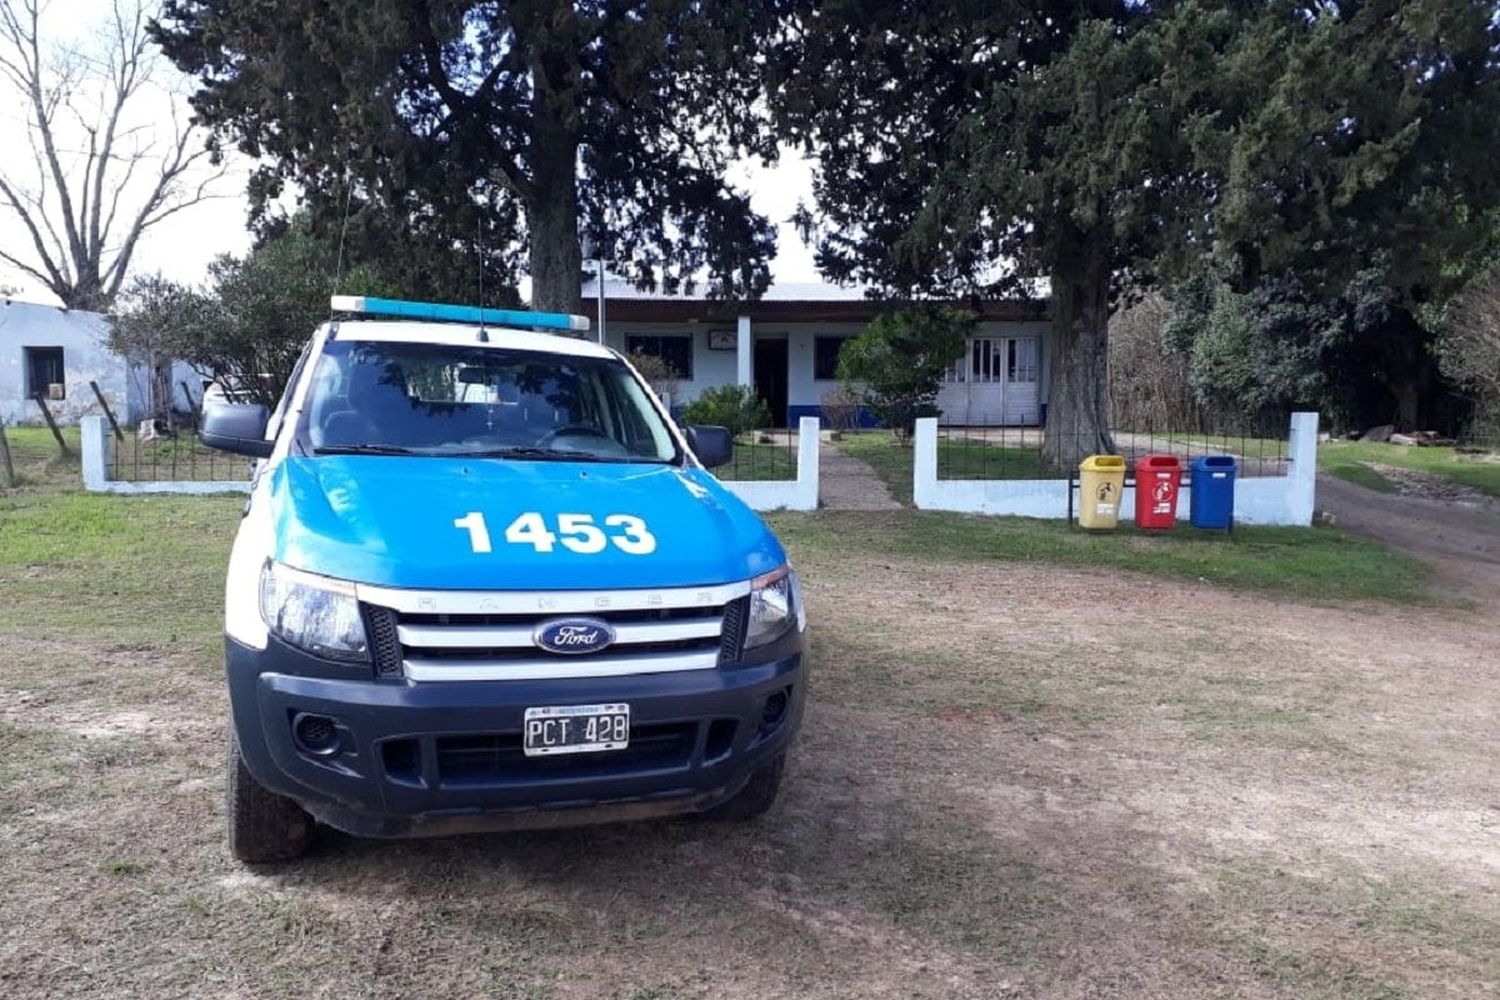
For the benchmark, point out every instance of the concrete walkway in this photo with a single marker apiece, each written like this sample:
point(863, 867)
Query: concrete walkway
point(846, 483)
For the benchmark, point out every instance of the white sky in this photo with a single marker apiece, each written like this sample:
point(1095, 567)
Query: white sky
point(181, 246)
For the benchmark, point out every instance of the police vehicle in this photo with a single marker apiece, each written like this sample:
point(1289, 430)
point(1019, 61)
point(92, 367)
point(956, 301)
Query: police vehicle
point(483, 581)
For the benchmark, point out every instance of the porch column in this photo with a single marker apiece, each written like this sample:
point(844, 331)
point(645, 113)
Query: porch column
point(744, 354)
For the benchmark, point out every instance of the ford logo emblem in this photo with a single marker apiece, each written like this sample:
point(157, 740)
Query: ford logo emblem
point(572, 636)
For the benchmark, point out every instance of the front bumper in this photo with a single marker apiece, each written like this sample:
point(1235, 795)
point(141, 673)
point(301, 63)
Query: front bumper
point(445, 757)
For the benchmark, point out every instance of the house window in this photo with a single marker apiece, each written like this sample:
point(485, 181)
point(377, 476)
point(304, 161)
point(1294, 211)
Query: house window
point(826, 357)
point(675, 349)
point(1022, 361)
point(44, 369)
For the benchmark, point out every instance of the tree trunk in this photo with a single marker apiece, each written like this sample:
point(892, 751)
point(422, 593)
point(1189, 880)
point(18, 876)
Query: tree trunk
point(1078, 415)
point(552, 207)
point(556, 261)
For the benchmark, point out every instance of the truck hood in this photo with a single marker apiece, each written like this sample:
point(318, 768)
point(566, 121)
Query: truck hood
point(389, 520)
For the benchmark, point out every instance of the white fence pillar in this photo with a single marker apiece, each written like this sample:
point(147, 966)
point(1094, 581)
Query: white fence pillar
point(808, 442)
point(94, 442)
point(1302, 456)
point(744, 353)
point(924, 464)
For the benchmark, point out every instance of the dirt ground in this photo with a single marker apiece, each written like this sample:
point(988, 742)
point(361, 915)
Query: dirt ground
point(1454, 528)
point(1014, 781)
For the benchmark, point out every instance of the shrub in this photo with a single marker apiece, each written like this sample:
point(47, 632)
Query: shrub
point(897, 363)
point(736, 407)
point(840, 409)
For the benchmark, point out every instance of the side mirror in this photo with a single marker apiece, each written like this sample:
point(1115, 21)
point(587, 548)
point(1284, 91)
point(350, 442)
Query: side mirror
point(236, 427)
point(714, 446)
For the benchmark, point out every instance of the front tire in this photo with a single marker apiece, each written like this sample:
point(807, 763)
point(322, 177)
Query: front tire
point(263, 827)
point(758, 795)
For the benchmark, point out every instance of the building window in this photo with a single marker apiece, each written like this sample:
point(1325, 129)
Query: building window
point(826, 357)
point(1022, 365)
point(675, 349)
point(44, 369)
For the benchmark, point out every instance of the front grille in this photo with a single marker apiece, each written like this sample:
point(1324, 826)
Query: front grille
point(426, 642)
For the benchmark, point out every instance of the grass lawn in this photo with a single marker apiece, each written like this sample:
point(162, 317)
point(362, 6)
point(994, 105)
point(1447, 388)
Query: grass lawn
point(1013, 780)
point(1352, 460)
point(1319, 563)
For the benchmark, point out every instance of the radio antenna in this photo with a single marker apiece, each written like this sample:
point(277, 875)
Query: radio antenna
point(338, 269)
point(479, 260)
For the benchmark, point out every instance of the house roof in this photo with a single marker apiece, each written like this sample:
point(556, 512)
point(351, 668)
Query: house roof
point(785, 302)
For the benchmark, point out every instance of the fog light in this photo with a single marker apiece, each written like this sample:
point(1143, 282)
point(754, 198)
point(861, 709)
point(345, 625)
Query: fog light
point(316, 734)
point(774, 710)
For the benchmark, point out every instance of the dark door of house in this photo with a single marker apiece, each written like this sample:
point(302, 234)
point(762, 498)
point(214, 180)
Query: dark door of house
point(771, 376)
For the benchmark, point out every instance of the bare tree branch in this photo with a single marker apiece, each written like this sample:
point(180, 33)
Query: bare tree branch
point(96, 166)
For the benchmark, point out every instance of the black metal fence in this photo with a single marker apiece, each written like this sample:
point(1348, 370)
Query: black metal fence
point(171, 458)
point(1011, 451)
point(766, 454)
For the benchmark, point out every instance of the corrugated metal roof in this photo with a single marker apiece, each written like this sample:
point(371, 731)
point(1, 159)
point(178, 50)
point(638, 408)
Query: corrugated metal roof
point(786, 291)
point(789, 291)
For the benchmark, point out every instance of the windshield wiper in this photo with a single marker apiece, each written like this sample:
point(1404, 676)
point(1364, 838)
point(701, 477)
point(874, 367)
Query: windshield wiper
point(366, 449)
point(546, 454)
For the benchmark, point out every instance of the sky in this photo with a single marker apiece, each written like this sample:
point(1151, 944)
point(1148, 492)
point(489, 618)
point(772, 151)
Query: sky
point(181, 246)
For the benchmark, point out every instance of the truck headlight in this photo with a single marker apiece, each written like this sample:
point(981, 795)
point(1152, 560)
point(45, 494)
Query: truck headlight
point(774, 606)
point(314, 613)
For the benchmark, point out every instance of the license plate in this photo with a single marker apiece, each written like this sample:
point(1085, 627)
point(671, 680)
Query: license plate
point(555, 729)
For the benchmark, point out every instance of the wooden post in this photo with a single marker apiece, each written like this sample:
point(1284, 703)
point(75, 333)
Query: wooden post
point(5, 462)
point(119, 434)
point(41, 401)
point(192, 405)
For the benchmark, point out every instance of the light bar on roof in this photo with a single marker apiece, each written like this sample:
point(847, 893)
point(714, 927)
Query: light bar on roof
point(442, 312)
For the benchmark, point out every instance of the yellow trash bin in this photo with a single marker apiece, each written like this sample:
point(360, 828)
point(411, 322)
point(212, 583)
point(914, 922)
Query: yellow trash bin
point(1103, 480)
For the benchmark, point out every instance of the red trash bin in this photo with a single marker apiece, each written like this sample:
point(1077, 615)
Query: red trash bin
point(1157, 478)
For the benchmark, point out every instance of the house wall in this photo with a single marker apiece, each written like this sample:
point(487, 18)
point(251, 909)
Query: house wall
point(82, 336)
point(718, 367)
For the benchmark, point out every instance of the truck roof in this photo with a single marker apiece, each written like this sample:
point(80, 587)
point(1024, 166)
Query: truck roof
point(464, 334)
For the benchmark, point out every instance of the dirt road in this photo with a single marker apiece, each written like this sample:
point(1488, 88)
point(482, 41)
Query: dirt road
point(1460, 538)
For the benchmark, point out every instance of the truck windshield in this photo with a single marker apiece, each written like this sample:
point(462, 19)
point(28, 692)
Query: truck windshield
point(437, 399)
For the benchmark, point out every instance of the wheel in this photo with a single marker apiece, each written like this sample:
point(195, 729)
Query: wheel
point(758, 795)
point(263, 826)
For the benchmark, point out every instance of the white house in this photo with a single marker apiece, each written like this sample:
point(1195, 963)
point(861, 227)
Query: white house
point(56, 352)
point(786, 346)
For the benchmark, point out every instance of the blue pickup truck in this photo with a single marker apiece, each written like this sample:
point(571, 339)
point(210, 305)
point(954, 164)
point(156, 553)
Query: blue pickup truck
point(484, 582)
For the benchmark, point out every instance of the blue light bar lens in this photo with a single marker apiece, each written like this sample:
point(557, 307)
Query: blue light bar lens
point(443, 312)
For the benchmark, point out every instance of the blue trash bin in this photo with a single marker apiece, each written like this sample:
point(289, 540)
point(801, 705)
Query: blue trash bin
point(1213, 491)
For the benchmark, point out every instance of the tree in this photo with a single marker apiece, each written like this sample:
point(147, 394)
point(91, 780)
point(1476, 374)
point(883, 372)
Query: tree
point(106, 166)
point(897, 363)
point(624, 115)
point(1106, 145)
point(249, 325)
point(152, 323)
